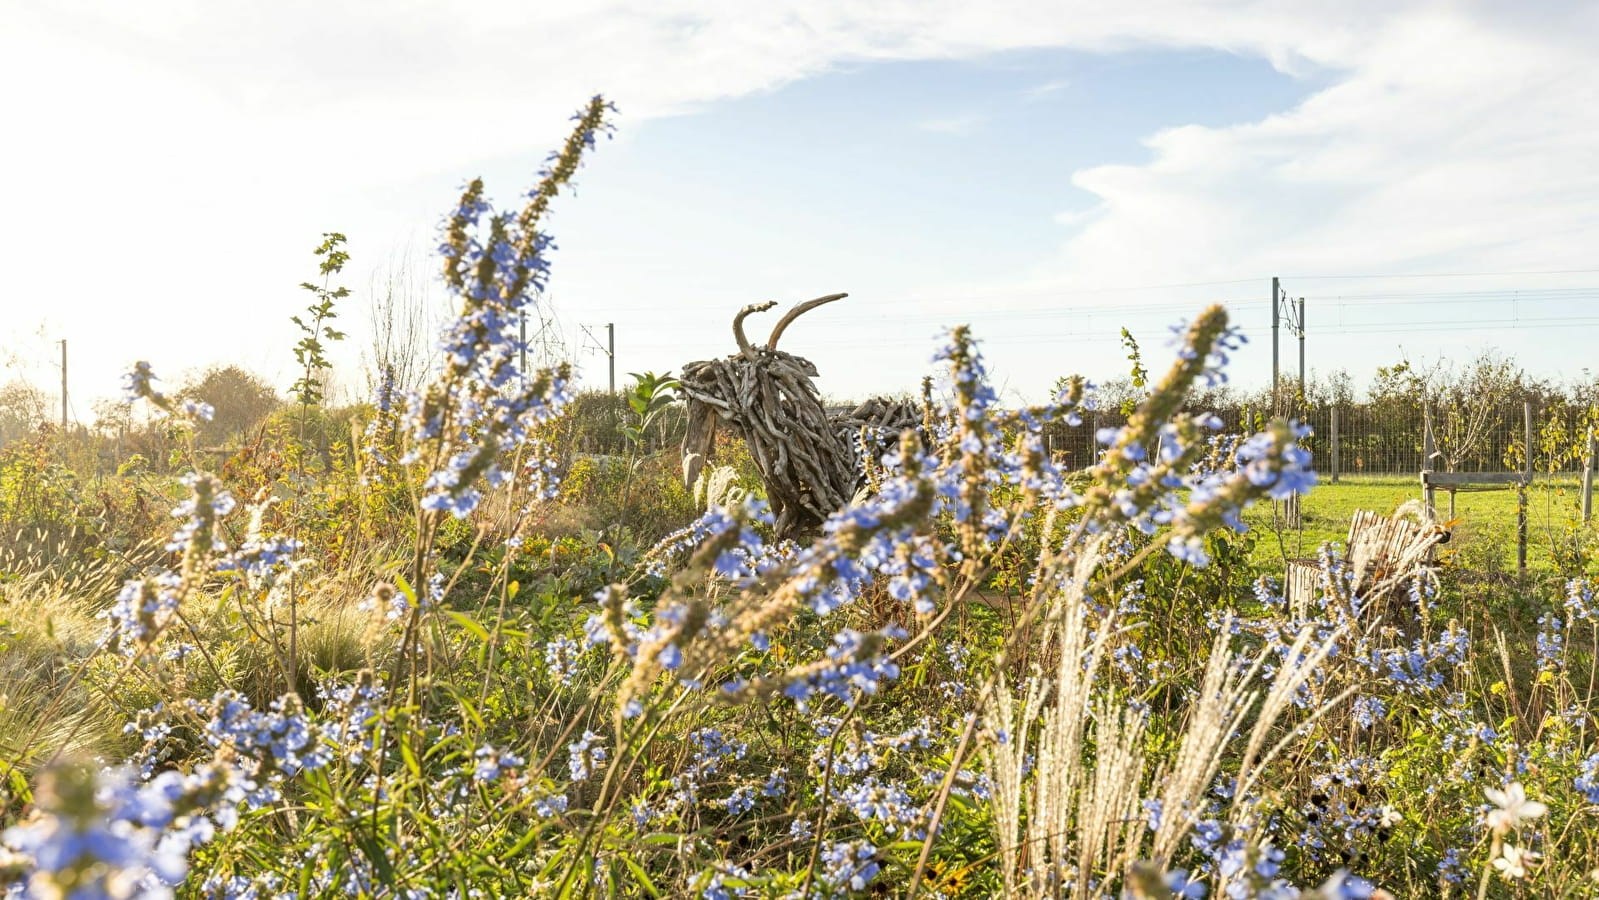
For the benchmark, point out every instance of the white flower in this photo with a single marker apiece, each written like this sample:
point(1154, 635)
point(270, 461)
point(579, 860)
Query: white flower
point(1513, 808)
point(1513, 862)
point(1388, 817)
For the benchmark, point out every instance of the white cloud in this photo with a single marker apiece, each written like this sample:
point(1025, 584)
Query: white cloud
point(1047, 89)
point(1073, 218)
point(955, 125)
point(180, 154)
point(1447, 141)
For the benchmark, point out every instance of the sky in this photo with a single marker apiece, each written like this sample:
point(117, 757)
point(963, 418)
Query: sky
point(1425, 175)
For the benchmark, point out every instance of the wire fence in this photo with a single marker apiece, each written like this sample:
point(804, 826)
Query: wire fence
point(1353, 439)
point(1347, 439)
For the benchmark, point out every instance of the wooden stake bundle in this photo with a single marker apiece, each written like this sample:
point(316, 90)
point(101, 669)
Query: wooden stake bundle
point(808, 459)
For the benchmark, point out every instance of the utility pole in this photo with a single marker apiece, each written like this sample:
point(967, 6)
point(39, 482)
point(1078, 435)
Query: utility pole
point(63, 386)
point(1294, 312)
point(609, 348)
point(1301, 349)
point(1276, 295)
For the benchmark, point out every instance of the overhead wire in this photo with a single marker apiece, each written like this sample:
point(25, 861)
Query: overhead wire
point(1506, 274)
point(1253, 329)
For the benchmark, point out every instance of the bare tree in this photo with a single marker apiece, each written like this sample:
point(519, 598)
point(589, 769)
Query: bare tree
point(1465, 402)
point(23, 408)
point(403, 313)
point(112, 416)
point(1468, 403)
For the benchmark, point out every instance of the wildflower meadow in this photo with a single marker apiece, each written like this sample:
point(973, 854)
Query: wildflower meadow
point(444, 654)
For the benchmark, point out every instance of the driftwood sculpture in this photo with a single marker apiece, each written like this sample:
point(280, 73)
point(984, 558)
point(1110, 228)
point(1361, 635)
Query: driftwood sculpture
point(809, 460)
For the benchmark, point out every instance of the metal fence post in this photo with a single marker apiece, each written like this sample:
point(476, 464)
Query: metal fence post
point(1333, 427)
point(1587, 482)
point(1526, 418)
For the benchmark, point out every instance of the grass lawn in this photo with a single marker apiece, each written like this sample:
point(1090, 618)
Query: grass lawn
point(1485, 519)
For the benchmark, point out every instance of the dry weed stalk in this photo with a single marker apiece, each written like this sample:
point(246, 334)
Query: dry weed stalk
point(1068, 763)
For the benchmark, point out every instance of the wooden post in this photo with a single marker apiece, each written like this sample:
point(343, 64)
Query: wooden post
point(1521, 490)
point(1521, 528)
point(1334, 430)
point(1587, 482)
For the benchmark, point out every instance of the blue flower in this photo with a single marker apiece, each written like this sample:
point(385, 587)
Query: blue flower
point(729, 565)
point(852, 865)
point(550, 805)
point(1181, 885)
point(561, 658)
point(1291, 481)
point(585, 754)
point(489, 763)
point(1153, 809)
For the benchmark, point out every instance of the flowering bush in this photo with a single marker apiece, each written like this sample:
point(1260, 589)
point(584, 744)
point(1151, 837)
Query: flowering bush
point(730, 716)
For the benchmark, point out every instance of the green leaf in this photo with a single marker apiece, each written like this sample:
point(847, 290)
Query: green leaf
point(19, 784)
point(409, 757)
point(469, 624)
point(643, 879)
point(374, 853)
point(522, 844)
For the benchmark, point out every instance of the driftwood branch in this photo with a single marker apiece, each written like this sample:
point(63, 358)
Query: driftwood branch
point(738, 326)
point(811, 462)
point(798, 310)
